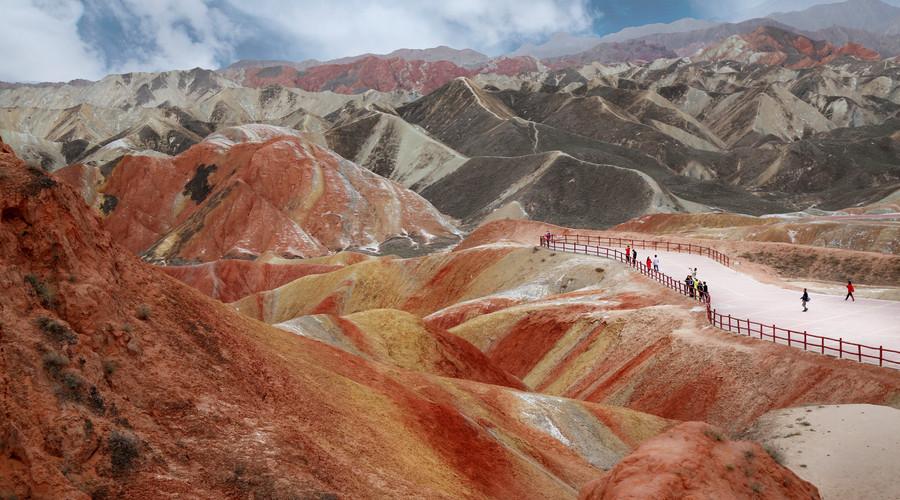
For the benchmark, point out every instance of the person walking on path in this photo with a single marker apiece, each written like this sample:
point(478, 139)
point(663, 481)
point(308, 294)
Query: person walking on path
point(689, 284)
point(850, 291)
point(705, 291)
point(697, 288)
point(648, 262)
point(634, 261)
point(694, 274)
point(628, 254)
point(656, 263)
point(804, 299)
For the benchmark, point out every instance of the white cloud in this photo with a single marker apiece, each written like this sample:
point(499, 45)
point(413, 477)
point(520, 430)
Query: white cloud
point(39, 42)
point(349, 27)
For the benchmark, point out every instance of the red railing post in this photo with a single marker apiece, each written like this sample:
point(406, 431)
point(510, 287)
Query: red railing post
point(823, 345)
point(881, 355)
point(841, 348)
point(789, 338)
point(729, 322)
point(804, 340)
point(859, 352)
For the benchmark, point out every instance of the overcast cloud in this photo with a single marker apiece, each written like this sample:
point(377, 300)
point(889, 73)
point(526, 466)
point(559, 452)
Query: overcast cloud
point(59, 40)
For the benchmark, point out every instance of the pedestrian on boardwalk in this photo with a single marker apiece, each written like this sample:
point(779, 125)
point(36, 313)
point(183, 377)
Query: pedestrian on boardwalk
point(689, 285)
point(804, 299)
point(697, 288)
point(649, 262)
point(850, 291)
point(705, 291)
point(656, 263)
point(694, 273)
point(628, 254)
point(634, 261)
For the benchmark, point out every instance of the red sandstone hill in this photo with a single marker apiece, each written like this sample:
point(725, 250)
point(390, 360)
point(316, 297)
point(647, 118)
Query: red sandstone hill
point(118, 381)
point(248, 191)
point(775, 46)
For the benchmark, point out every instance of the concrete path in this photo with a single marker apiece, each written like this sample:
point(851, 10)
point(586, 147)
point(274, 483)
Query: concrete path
point(867, 321)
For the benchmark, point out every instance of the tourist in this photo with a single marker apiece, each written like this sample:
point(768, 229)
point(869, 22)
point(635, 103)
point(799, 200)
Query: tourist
point(850, 291)
point(656, 263)
point(804, 299)
point(694, 273)
point(634, 261)
point(689, 285)
point(649, 262)
point(705, 291)
point(697, 289)
point(628, 254)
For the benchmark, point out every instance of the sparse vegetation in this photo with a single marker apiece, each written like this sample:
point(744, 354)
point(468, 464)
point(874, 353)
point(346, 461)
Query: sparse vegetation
point(730, 467)
point(775, 453)
point(143, 312)
point(54, 362)
point(124, 450)
point(56, 331)
point(715, 436)
point(127, 328)
point(757, 488)
point(95, 400)
point(43, 292)
point(109, 367)
point(71, 386)
point(793, 434)
point(805, 423)
point(749, 455)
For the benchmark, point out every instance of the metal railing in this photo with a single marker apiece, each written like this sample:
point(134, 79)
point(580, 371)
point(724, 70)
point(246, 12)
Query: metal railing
point(589, 245)
point(668, 246)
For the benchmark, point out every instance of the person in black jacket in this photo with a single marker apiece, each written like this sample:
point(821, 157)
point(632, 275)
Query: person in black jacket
point(804, 299)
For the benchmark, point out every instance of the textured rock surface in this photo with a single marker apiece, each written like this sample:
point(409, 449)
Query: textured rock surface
point(254, 190)
point(694, 460)
point(119, 381)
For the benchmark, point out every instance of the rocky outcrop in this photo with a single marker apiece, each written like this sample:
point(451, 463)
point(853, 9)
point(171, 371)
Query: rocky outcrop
point(254, 190)
point(695, 460)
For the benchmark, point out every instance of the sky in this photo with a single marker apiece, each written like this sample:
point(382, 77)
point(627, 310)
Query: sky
point(61, 40)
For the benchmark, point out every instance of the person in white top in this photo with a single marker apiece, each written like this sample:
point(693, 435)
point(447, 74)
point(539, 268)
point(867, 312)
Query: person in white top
point(656, 263)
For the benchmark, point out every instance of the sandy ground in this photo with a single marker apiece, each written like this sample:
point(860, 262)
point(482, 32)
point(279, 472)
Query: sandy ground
point(870, 322)
point(847, 451)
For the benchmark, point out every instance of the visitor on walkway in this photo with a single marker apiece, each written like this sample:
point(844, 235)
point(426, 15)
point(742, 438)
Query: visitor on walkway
point(694, 273)
point(697, 288)
point(804, 299)
point(628, 254)
point(850, 291)
point(649, 262)
point(656, 263)
point(705, 291)
point(689, 284)
point(634, 261)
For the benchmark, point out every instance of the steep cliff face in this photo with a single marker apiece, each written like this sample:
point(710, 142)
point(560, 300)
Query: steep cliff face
point(249, 191)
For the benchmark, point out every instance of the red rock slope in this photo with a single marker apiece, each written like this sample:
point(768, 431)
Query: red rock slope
point(117, 381)
point(248, 191)
point(774, 46)
point(695, 460)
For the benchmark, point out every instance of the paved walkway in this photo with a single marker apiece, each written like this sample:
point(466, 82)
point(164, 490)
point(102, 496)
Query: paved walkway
point(871, 322)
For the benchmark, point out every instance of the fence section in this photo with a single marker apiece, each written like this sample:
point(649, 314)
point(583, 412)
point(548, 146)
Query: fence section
point(840, 348)
point(668, 246)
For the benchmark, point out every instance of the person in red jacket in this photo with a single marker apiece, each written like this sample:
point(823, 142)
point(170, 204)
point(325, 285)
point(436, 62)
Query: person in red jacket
point(628, 254)
point(649, 263)
point(850, 291)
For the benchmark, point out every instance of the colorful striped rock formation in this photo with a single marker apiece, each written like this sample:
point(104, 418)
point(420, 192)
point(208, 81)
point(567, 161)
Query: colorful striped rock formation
point(574, 326)
point(118, 381)
point(249, 191)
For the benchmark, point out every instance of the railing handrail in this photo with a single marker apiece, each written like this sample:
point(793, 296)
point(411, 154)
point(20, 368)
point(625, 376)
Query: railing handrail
point(583, 245)
point(659, 245)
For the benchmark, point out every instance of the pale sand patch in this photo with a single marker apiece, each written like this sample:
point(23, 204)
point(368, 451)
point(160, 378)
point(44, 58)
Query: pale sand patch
point(847, 451)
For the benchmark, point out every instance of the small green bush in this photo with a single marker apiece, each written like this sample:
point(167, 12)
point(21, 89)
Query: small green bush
point(54, 362)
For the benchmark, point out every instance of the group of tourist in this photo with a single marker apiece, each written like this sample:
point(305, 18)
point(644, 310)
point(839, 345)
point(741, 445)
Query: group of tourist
point(696, 289)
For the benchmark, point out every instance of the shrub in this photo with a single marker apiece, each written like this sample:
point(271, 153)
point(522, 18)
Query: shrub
point(775, 453)
point(41, 289)
point(56, 331)
point(54, 362)
point(143, 312)
point(715, 436)
point(109, 367)
point(95, 400)
point(71, 386)
point(123, 451)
